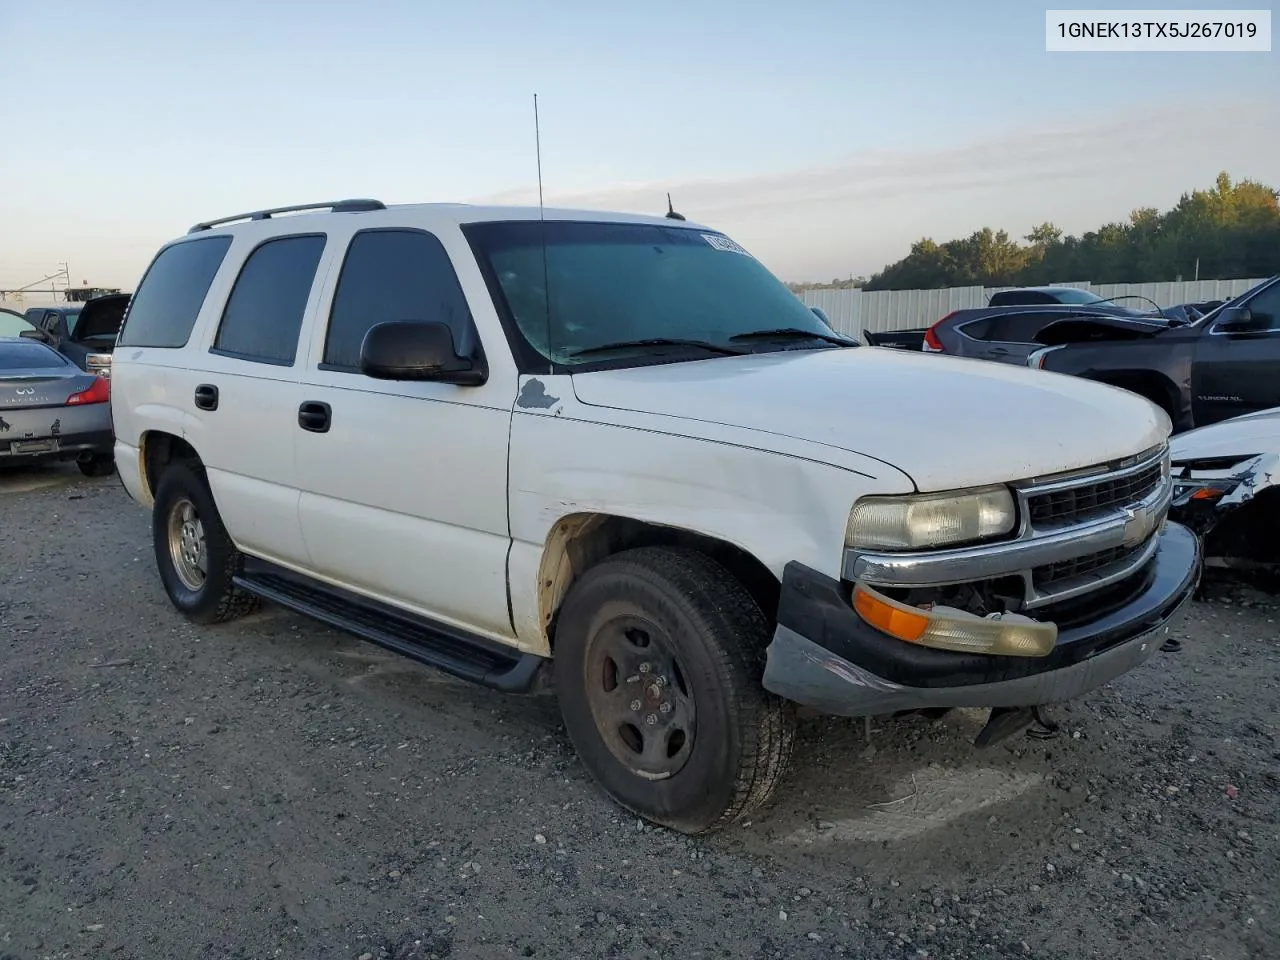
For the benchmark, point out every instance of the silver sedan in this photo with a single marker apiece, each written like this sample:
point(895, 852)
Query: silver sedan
point(50, 409)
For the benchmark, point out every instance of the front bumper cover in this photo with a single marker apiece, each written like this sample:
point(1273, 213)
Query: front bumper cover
point(824, 656)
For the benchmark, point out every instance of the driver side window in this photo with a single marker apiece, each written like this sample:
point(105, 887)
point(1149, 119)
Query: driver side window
point(1265, 308)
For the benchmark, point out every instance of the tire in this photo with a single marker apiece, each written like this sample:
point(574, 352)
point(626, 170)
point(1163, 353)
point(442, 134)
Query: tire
point(99, 465)
point(212, 598)
point(703, 638)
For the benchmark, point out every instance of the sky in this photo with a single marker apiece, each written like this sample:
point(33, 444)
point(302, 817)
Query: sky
point(824, 136)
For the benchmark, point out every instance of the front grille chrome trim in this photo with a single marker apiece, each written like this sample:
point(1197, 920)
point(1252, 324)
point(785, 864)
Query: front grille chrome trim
point(1134, 525)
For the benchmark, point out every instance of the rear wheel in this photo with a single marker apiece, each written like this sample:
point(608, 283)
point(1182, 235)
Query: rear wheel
point(194, 553)
point(659, 655)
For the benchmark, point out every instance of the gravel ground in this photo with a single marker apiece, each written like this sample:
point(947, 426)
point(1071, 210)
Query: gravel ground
point(271, 788)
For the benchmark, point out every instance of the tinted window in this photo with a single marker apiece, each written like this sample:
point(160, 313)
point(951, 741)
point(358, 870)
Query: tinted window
point(24, 355)
point(264, 312)
point(1009, 298)
point(166, 305)
point(1265, 307)
point(393, 275)
point(1013, 327)
point(73, 318)
point(571, 287)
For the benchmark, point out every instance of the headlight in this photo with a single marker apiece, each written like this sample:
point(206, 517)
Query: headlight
point(931, 519)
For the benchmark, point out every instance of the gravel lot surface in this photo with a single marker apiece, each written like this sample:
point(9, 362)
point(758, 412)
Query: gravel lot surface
point(271, 788)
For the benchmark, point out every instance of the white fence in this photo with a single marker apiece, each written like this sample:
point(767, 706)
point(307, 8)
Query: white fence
point(852, 311)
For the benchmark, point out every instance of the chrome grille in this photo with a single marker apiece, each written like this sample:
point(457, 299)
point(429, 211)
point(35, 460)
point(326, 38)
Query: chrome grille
point(1078, 533)
point(1079, 503)
point(1051, 575)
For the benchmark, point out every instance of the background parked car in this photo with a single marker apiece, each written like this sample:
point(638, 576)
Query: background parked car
point(51, 410)
point(1005, 334)
point(1224, 365)
point(83, 333)
point(1226, 480)
point(1038, 296)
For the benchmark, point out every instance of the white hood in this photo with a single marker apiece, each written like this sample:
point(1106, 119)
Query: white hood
point(944, 421)
point(1247, 435)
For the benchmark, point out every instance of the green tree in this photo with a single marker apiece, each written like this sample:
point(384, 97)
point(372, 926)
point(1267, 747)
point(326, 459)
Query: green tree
point(1232, 230)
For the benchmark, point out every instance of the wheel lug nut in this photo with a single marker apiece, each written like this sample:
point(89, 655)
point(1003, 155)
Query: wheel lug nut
point(665, 708)
point(651, 719)
point(635, 705)
point(645, 668)
point(662, 681)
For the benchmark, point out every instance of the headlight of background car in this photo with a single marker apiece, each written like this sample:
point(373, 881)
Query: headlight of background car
point(931, 519)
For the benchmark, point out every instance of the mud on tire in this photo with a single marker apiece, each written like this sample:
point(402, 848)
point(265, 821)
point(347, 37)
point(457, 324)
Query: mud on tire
point(659, 653)
point(194, 554)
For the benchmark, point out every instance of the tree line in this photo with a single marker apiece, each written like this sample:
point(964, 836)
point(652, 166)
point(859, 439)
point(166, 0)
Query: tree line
point(1228, 232)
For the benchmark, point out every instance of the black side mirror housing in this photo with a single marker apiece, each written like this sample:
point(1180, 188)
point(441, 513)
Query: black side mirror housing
point(31, 334)
point(1239, 320)
point(418, 350)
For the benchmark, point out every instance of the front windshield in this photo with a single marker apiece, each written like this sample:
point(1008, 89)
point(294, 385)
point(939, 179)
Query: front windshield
point(616, 282)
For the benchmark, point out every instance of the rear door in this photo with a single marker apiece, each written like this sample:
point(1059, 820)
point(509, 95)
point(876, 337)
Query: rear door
point(1005, 337)
point(1237, 372)
point(242, 391)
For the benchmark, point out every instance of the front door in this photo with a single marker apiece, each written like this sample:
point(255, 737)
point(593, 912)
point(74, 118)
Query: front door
point(1238, 371)
point(404, 484)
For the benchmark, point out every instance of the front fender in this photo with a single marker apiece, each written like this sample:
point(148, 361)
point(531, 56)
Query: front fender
point(774, 507)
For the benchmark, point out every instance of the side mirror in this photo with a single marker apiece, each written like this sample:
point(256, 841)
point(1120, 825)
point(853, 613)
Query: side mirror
point(1239, 320)
point(414, 350)
point(31, 334)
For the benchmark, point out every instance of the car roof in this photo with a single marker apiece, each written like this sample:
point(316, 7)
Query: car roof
point(436, 215)
point(1049, 289)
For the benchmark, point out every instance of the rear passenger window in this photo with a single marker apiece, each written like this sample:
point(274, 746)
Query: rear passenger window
point(167, 302)
point(1014, 327)
point(393, 275)
point(264, 313)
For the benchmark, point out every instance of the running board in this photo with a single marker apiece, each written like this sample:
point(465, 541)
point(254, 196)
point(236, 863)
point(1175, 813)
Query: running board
point(446, 648)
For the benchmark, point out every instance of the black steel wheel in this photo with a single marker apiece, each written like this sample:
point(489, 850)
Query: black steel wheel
point(659, 653)
point(639, 698)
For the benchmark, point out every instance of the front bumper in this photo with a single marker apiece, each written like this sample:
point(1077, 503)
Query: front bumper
point(824, 656)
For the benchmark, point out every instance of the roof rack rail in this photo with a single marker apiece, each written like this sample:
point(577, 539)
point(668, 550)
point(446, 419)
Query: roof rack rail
point(358, 205)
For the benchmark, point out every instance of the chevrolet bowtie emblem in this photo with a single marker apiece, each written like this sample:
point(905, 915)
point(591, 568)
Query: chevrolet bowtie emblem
point(1138, 524)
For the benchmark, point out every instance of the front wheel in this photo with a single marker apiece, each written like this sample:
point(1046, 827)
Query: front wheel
point(659, 655)
point(194, 553)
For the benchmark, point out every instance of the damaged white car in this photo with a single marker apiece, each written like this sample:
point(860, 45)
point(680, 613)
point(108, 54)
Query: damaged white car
point(1225, 477)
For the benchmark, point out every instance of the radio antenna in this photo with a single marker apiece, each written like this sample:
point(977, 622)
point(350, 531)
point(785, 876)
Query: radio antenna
point(542, 226)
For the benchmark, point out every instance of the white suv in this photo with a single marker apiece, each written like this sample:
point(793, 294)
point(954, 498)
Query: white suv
point(490, 437)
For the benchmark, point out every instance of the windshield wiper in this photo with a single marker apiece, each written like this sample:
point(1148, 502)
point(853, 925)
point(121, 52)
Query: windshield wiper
point(657, 342)
point(793, 333)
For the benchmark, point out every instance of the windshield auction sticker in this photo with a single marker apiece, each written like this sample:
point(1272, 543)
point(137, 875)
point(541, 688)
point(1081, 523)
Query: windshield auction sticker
point(724, 243)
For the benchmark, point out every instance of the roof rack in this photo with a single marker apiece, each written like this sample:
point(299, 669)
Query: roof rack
point(335, 206)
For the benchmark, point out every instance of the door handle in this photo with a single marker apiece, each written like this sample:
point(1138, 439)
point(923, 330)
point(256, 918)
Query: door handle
point(207, 396)
point(315, 416)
